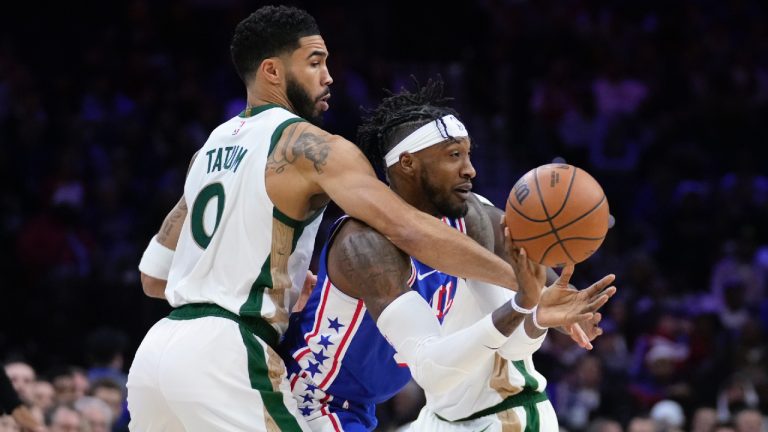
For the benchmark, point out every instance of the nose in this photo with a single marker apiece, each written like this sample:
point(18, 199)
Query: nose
point(468, 170)
point(327, 80)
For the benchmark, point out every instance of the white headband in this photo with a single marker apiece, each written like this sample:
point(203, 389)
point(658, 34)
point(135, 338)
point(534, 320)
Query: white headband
point(428, 135)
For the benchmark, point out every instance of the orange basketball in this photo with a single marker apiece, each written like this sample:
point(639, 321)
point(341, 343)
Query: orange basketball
point(558, 213)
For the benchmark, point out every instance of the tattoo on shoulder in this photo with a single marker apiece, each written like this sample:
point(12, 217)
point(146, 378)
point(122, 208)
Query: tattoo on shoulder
point(314, 147)
point(377, 269)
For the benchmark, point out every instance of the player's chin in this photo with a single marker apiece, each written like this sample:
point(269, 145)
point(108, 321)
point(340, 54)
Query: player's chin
point(459, 210)
point(316, 118)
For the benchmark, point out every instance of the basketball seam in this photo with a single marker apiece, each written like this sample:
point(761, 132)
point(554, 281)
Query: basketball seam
point(569, 238)
point(567, 193)
point(549, 220)
point(511, 204)
point(587, 213)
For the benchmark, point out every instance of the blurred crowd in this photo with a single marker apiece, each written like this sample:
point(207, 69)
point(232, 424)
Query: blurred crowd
point(73, 398)
point(663, 102)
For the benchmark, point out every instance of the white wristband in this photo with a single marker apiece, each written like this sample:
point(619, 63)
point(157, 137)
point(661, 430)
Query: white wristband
point(519, 308)
point(535, 321)
point(156, 261)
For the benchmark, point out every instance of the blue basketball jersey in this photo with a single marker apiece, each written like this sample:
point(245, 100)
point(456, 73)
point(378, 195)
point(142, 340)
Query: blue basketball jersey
point(339, 364)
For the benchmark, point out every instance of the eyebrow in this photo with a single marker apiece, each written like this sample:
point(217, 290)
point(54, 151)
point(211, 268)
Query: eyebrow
point(320, 53)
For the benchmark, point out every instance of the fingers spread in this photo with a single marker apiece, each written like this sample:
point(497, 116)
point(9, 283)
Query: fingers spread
point(597, 303)
point(578, 335)
point(601, 284)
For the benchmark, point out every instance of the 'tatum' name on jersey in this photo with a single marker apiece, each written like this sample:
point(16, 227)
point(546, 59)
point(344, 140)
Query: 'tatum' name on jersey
point(228, 158)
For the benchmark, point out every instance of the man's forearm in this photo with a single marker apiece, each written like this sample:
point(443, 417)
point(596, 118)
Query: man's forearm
point(449, 251)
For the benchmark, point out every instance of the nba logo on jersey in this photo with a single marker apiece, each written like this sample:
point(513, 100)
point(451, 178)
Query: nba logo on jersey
point(238, 128)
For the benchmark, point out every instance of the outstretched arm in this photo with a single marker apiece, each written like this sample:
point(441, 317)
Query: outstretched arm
point(565, 308)
point(364, 264)
point(340, 170)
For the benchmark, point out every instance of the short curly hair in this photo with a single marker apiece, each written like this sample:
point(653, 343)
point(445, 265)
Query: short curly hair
point(268, 32)
point(398, 115)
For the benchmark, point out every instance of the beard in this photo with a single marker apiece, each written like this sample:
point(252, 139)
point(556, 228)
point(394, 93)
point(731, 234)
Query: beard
point(302, 102)
point(446, 203)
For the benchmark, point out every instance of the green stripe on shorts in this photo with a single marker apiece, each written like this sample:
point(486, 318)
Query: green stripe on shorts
point(531, 417)
point(530, 381)
point(258, 371)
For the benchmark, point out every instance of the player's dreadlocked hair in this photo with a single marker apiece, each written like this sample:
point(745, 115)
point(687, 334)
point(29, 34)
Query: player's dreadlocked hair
point(398, 115)
point(268, 32)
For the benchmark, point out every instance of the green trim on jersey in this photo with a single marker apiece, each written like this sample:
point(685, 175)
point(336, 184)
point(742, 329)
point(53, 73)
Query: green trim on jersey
point(252, 111)
point(255, 301)
point(530, 381)
point(258, 372)
point(285, 219)
point(252, 306)
point(532, 420)
point(279, 132)
point(525, 398)
point(255, 325)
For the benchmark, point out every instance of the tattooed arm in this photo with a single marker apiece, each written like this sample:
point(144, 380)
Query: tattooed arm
point(333, 166)
point(168, 236)
point(364, 264)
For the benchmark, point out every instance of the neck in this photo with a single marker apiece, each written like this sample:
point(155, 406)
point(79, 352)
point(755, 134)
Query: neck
point(257, 98)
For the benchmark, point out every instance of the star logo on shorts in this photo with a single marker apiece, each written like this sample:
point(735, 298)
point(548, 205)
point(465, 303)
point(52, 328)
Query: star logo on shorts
point(320, 357)
point(313, 368)
point(334, 324)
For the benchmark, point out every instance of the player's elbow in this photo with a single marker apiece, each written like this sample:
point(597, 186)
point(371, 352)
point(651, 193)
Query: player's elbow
point(437, 379)
point(153, 287)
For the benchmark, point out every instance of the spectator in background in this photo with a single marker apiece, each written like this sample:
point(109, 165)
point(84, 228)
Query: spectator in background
point(669, 415)
point(642, 424)
point(63, 385)
point(81, 382)
point(737, 394)
point(12, 405)
point(63, 418)
point(604, 425)
point(96, 412)
point(578, 395)
point(113, 395)
point(105, 348)
point(22, 377)
point(725, 427)
point(749, 420)
point(704, 420)
point(43, 395)
point(8, 424)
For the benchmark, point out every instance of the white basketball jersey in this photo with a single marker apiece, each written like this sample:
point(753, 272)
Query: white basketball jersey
point(236, 248)
point(497, 379)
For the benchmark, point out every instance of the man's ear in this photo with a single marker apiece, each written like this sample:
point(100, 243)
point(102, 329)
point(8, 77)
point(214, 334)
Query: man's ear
point(272, 69)
point(408, 163)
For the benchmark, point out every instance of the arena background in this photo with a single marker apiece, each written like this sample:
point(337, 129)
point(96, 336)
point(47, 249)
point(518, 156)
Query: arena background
point(665, 103)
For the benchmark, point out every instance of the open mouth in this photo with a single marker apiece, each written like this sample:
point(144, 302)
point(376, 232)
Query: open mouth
point(323, 101)
point(464, 190)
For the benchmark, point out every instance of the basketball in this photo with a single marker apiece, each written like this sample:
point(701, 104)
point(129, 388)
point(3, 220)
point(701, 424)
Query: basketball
point(558, 213)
